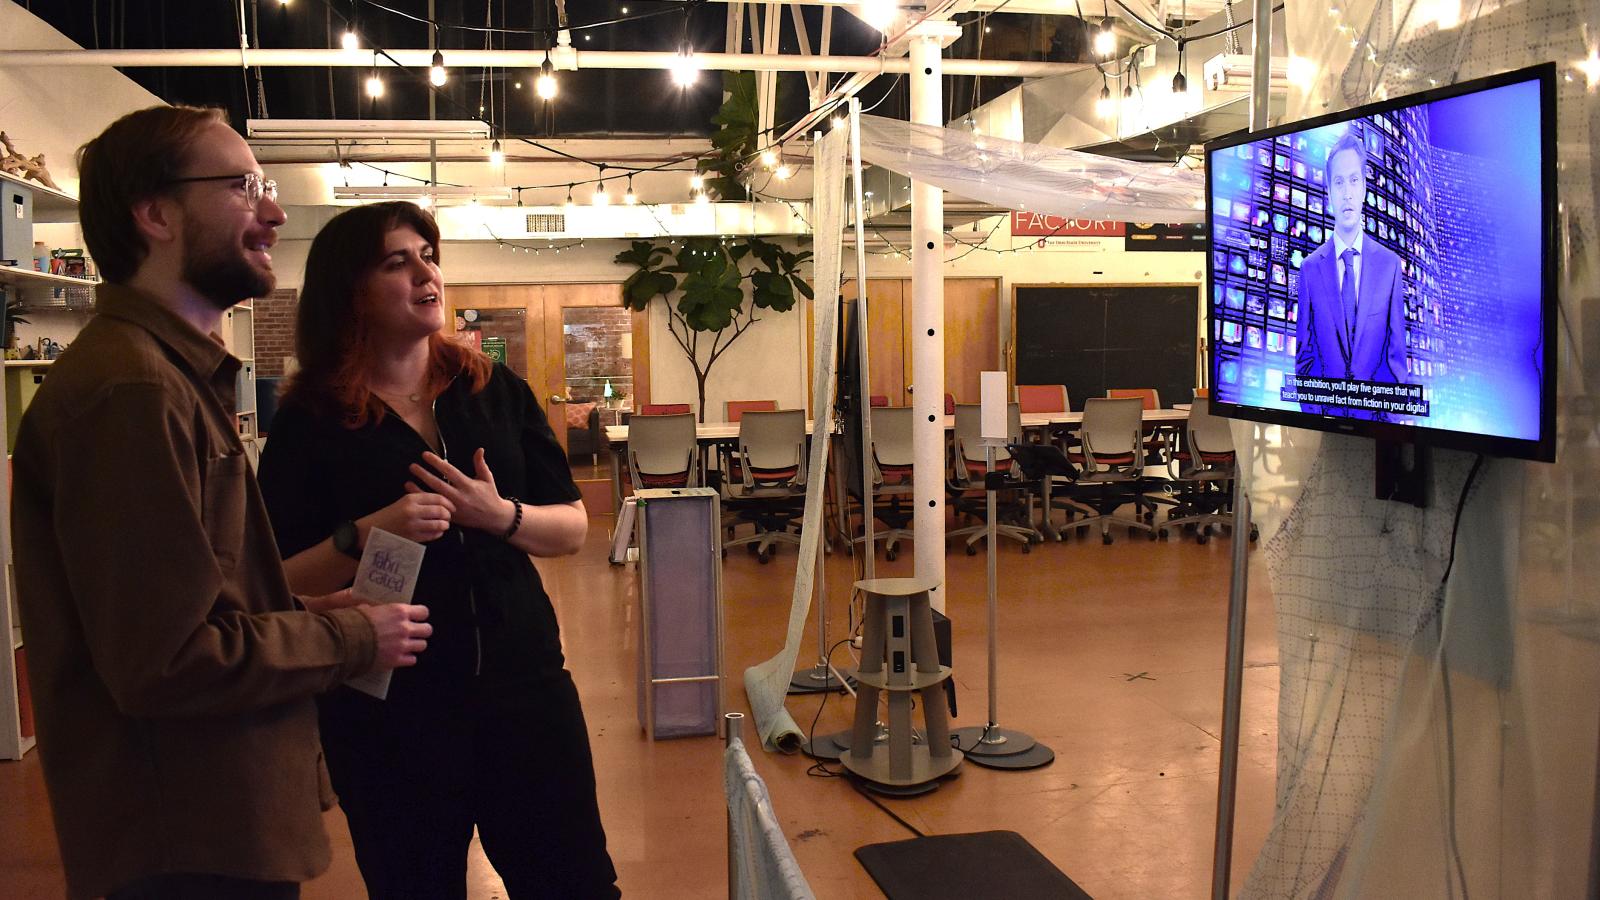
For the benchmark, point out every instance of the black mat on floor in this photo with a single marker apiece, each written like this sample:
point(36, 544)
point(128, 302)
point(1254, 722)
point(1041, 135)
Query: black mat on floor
point(979, 866)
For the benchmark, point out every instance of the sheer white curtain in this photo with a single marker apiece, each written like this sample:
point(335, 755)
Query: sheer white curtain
point(1034, 177)
point(767, 684)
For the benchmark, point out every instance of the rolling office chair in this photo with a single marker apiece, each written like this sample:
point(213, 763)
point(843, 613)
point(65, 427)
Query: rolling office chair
point(891, 464)
point(733, 410)
point(770, 491)
point(1042, 398)
point(663, 451)
point(665, 409)
point(1112, 460)
point(966, 488)
point(1202, 475)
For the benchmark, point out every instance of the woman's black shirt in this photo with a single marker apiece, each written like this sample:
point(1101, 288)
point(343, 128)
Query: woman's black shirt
point(491, 617)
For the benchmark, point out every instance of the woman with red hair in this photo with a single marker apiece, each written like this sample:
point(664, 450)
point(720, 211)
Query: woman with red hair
point(389, 424)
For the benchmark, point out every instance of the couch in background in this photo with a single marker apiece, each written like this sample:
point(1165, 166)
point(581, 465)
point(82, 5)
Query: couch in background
point(584, 437)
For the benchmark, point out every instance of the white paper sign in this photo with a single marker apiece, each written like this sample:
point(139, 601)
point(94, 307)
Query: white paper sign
point(387, 574)
point(992, 414)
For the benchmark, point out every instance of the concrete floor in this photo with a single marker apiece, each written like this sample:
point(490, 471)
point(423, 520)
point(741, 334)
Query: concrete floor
point(1113, 656)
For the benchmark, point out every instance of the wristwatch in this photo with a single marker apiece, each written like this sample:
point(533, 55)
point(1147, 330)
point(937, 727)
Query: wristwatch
point(347, 540)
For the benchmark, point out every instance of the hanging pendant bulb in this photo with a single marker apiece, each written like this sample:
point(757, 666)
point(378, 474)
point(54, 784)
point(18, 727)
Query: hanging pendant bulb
point(1105, 40)
point(497, 158)
point(685, 69)
point(374, 85)
point(630, 198)
point(437, 76)
point(350, 40)
point(545, 85)
point(570, 205)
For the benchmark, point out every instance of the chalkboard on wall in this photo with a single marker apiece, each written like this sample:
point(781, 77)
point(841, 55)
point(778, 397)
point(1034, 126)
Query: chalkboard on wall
point(1091, 338)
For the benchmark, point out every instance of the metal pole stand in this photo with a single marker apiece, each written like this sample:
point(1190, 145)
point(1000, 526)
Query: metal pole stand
point(823, 676)
point(990, 745)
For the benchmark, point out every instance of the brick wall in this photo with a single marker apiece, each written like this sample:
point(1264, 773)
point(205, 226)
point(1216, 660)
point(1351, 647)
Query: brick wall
point(274, 323)
point(593, 339)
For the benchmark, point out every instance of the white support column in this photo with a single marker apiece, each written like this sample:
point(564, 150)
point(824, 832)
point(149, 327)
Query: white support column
point(927, 330)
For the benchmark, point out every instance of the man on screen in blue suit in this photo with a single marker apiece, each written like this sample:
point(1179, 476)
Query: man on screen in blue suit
point(1351, 321)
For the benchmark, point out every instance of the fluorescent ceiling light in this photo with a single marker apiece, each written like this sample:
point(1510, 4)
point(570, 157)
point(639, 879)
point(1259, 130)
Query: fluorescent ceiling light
point(371, 129)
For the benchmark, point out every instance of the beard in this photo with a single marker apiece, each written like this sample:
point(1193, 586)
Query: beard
point(218, 270)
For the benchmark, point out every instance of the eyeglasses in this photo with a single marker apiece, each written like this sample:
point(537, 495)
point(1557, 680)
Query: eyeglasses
point(255, 186)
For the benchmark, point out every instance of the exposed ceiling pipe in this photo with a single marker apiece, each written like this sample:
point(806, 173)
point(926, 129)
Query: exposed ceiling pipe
point(529, 59)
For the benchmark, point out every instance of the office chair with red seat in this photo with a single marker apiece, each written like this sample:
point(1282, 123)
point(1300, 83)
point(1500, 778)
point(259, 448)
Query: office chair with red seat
point(1113, 465)
point(965, 487)
point(735, 409)
point(1202, 475)
point(665, 409)
point(770, 490)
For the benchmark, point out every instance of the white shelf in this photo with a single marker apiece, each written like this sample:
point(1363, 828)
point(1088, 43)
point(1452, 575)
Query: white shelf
point(17, 275)
point(28, 363)
point(28, 742)
point(60, 205)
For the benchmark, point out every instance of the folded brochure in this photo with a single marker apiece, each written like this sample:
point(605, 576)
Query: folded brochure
point(387, 574)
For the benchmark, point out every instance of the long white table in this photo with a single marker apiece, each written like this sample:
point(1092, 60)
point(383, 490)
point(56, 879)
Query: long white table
point(716, 432)
point(709, 434)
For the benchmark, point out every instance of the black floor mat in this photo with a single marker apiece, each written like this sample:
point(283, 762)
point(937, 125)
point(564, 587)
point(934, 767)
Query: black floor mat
point(987, 865)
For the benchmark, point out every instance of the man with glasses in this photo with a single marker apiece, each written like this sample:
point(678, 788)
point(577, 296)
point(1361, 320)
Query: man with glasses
point(173, 672)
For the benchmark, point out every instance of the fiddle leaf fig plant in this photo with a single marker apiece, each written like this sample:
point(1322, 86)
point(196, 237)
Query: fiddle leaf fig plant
point(707, 309)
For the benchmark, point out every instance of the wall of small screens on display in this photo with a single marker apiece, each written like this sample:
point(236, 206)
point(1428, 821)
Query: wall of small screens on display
point(1388, 270)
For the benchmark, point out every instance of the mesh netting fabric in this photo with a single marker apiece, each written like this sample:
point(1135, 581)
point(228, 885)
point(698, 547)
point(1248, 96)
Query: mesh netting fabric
point(1436, 741)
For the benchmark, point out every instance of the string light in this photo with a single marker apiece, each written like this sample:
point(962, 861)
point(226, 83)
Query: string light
point(497, 158)
point(685, 68)
point(697, 182)
point(545, 85)
point(1105, 107)
point(437, 76)
point(769, 158)
point(570, 205)
point(601, 198)
point(350, 40)
point(782, 172)
point(630, 198)
point(879, 14)
point(1591, 69)
point(1105, 40)
point(1180, 81)
point(374, 85)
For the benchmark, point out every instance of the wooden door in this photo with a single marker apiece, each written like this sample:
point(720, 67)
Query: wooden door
point(971, 333)
point(542, 361)
point(886, 303)
point(564, 305)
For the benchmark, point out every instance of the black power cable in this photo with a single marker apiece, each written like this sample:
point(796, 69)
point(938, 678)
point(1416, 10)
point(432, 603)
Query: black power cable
point(1444, 675)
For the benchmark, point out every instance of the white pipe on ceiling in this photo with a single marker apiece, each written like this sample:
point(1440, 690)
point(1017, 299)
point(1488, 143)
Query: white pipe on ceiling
point(528, 59)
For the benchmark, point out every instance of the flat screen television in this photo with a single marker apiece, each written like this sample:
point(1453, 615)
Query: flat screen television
point(1389, 271)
